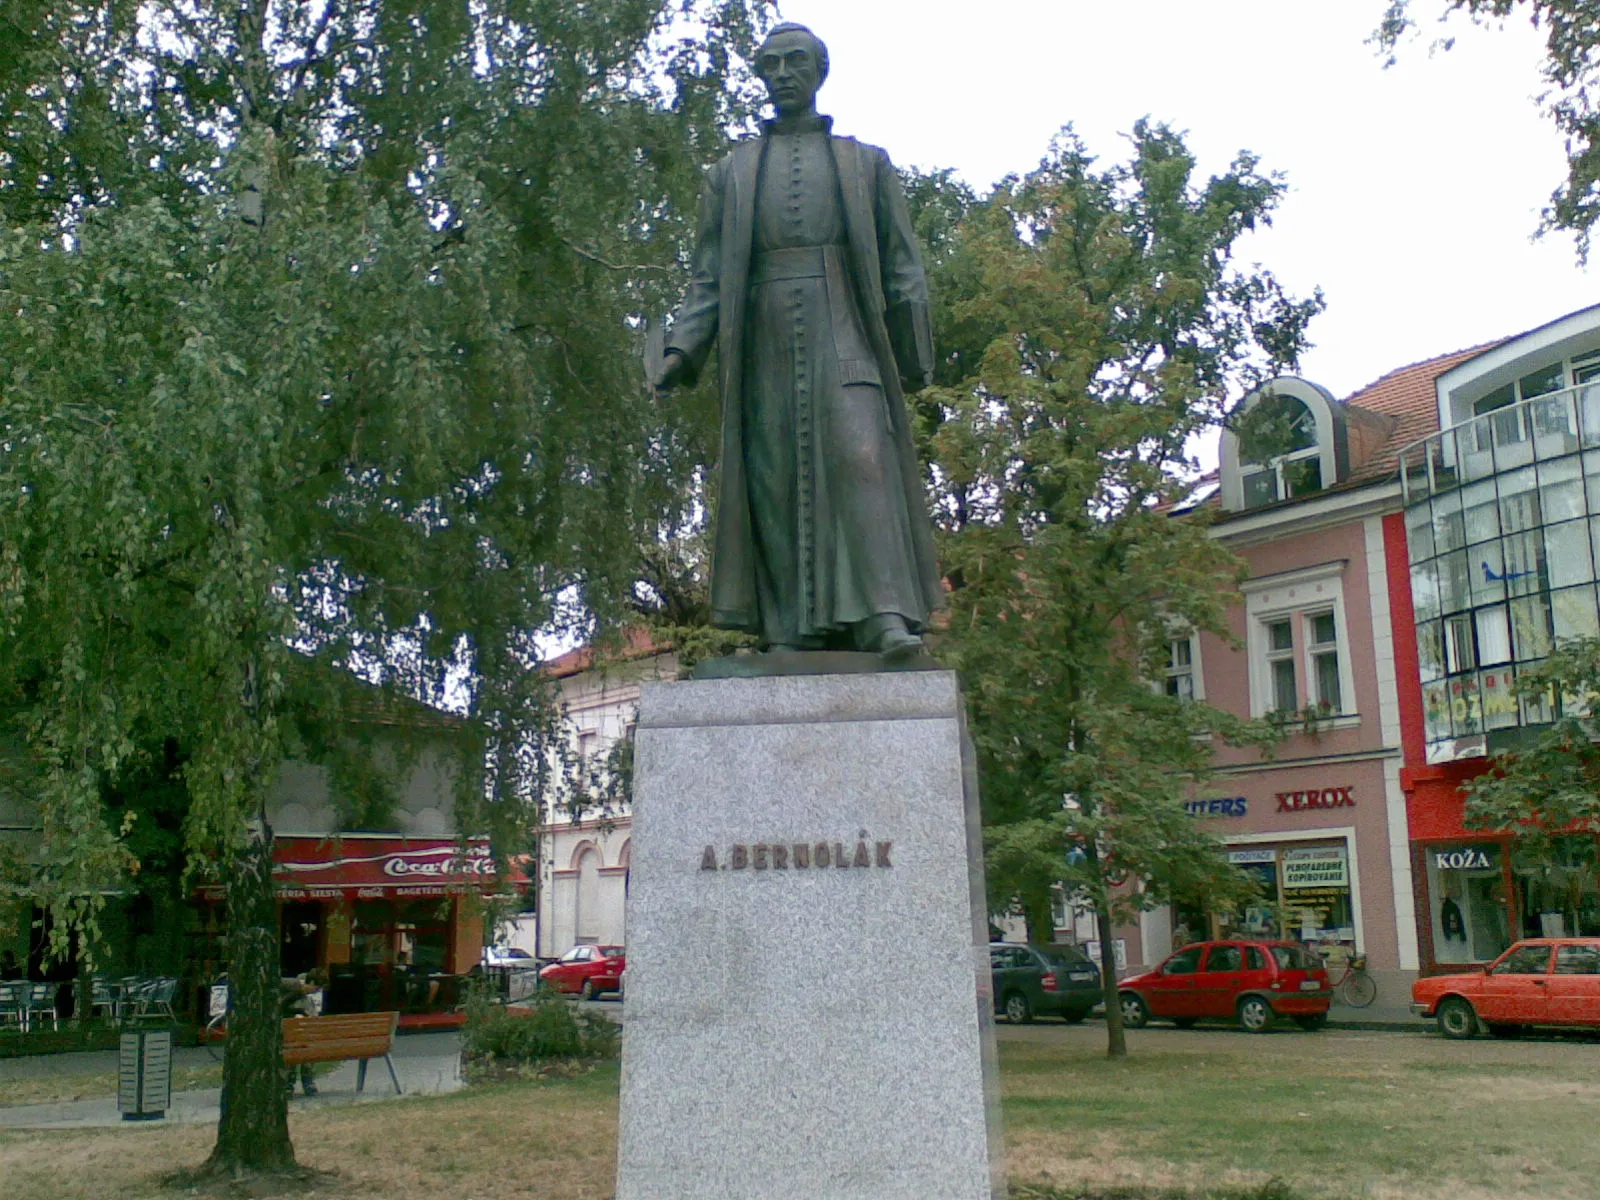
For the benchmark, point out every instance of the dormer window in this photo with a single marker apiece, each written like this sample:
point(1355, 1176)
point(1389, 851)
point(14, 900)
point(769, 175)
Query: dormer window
point(1285, 441)
point(1278, 449)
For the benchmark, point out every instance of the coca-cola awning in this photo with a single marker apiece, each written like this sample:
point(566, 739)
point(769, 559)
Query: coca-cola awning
point(375, 868)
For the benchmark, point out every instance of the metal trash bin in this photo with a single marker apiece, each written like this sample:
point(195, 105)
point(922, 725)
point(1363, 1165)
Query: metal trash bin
point(144, 1075)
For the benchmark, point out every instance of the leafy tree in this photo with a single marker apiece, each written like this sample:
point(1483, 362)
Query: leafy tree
point(1572, 75)
point(320, 342)
point(1547, 791)
point(1096, 323)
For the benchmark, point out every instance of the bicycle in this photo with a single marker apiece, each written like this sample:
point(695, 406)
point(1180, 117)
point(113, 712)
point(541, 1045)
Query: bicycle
point(1355, 987)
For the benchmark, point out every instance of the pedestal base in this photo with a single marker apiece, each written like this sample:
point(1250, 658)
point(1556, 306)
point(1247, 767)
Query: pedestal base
point(809, 1008)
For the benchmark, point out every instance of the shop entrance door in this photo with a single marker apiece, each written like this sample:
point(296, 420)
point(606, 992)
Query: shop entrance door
point(299, 936)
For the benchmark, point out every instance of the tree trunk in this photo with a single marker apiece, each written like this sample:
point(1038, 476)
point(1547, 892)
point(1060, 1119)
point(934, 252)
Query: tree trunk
point(253, 1134)
point(1039, 917)
point(1116, 1040)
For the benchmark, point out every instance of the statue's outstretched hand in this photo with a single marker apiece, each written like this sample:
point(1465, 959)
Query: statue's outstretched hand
point(673, 371)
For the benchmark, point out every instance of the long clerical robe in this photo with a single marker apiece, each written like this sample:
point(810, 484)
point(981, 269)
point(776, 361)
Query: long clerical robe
point(808, 279)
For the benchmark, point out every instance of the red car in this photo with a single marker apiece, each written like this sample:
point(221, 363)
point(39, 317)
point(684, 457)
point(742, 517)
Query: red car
point(587, 970)
point(1253, 983)
point(1541, 981)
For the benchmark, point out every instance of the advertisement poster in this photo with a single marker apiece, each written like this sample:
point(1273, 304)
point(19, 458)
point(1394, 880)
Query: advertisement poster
point(1318, 867)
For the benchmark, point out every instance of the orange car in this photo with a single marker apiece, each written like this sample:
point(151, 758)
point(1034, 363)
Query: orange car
point(1541, 981)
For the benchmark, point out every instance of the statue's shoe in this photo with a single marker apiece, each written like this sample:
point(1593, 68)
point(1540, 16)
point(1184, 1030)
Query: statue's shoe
point(897, 645)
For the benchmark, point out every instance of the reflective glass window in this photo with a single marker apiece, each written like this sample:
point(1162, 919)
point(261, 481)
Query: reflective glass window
point(1436, 709)
point(1519, 501)
point(1488, 573)
point(1524, 564)
point(1530, 627)
point(1260, 487)
point(1466, 712)
point(1419, 532)
point(1480, 511)
point(1425, 589)
point(1566, 553)
point(1574, 613)
point(1448, 533)
point(1499, 702)
point(1561, 489)
point(1454, 592)
point(1459, 654)
point(1430, 649)
point(1545, 379)
point(1494, 635)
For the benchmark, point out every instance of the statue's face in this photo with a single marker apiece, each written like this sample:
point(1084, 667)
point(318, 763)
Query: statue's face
point(788, 65)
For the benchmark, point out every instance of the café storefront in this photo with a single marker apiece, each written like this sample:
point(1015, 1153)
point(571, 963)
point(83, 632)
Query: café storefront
point(397, 923)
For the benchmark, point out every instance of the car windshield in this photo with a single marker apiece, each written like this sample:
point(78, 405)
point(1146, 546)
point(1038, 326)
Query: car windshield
point(1295, 958)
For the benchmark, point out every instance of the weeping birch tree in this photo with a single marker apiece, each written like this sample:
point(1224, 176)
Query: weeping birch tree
point(319, 343)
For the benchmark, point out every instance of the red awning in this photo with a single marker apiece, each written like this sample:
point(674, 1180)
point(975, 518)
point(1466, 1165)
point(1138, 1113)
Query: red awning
point(375, 868)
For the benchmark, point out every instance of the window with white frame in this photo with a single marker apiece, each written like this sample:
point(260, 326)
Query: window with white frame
point(1293, 465)
point(1280, 666)
point(1180, 669)
point(1297, 642)
point(1322, 648)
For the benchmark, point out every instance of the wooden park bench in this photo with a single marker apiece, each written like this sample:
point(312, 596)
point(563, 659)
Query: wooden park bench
point(342, 1037)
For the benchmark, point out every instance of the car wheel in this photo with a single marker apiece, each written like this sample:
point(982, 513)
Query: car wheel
point(1311, 1022)
point(1074, 1016)
point(1185, 1022)
point(586, 992)
point(1499, 1030)
point(1456, 1018)
point(1255, 1014)
point(1135, 1014)
point(1018, 1010)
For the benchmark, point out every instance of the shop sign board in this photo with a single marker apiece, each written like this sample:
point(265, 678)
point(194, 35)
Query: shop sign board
point(1466, 858)
point(1218, 806)
point(1316, 867)
point(1314, 798)
point(1242, 857)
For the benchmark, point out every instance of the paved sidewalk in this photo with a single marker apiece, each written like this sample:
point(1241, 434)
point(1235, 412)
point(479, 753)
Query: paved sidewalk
point(1382, 1013)
point(427, 1064)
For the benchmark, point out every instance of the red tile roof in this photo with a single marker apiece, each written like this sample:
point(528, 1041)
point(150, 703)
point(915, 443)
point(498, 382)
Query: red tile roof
point(638, 642)
point(1408, 394)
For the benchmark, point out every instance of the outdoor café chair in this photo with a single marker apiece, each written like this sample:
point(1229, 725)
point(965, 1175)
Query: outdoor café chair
point(155, 998)
point(105, 995)
point(37, 1000)
point(11, 1004)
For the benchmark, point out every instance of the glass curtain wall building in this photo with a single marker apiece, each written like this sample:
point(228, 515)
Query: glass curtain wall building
point(1503, 551)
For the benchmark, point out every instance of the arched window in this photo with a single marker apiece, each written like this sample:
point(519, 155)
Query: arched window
point(1279, 455)
point(1286, 440)
point(587, 918)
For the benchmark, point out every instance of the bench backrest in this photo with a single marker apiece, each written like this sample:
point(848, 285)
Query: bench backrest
point(332, 1039)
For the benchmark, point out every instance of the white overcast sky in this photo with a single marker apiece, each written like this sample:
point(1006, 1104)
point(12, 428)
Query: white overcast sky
point(1413, 194)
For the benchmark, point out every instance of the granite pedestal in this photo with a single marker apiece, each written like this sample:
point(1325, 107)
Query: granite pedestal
point(808, 1003)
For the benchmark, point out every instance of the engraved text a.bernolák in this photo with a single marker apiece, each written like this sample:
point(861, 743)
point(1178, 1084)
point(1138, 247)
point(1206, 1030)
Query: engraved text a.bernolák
point(798, 856)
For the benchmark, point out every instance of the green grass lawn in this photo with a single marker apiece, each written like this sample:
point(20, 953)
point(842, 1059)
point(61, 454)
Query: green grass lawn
point(1199, 1116)
point(1327, 1117)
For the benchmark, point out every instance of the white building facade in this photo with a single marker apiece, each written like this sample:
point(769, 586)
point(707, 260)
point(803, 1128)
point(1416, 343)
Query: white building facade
point(583, 857)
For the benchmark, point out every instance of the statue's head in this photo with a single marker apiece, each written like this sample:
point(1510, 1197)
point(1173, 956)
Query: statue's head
point(792, 62)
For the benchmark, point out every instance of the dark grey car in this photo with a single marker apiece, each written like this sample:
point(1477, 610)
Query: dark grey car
point(1034, 981)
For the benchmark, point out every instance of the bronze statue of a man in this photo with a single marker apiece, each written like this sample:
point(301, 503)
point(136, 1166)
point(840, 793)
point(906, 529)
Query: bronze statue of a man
point(808, 279)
